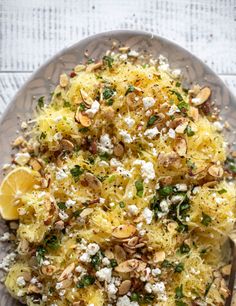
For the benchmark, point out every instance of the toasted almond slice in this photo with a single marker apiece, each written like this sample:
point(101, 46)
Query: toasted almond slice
point(181, 127)
point(202, 96)
point(108, 113)
point(159, 256)
point(35, 164)
point(127, 266)
point(119, 150)
point(216, 171)
point(93, 66)
point(20, 140)
point(79, 68)
point(180, 146)
point(193, 113)
point(133, 241)
point(124, 49)
point(124, 287)
point(109, 254)
point(92, 181)
point(64, 80)
point(86, 212)
point(67, 145)
point(226, 270)
point(124, 231)
point(170, 159)
point(141, 266)
point(27, 276)
point(85, 97)
point(119, 254)
point(66, 272)
point(83, 119)
point(49, 270)
point(66, 283)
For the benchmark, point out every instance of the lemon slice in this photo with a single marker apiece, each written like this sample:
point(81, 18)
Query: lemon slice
point(18, 182)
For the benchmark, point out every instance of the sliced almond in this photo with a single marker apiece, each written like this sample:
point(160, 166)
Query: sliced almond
point(83, 119)
point(68, 270)
point(193, 113)
point(86, 212)
point(216, 171)
point(226, 270)
point(108, 113)
point(223, 290)
point(35, 164)
point(124, 49)
point(170, 159)
point(20, 140)
point(64, 80)
point(49, 270)
point(92, 181)
point(180, 146)
point(119, 150)
point(33, 289)
point(181, 128)
point(109, 254)
point(119, 254)
point(202, 96)
point(85, 97)
point(124, 231)
point(67, 145)
point(59, 225)
point(93, 66)
point(159, 256)
point(124, 287)
point(133, 241)
point(127, 266)
point(66, 283)
point(141, 266)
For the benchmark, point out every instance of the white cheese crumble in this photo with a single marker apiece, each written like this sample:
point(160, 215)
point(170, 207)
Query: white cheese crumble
point(91, 112)
point(63, 216)
point(133, 210)
point(164, 206)
point(122, 171)
point(148, 102)
point(105, 145)
point(7, 260)
point(219, 126)
point(58, 136)
point(176, 73)
point(181, 187)
point(125, 301)
point(22, 158)
point(5, 237)
point(115, 163)
point(151, 133)
point(173, 109)
point(147, 170)
point(93, 248)
point(156, 272)
point(171, 133)
point(61, 175)
point(133, 53)
point(196, 101)
point(147, 215)
point(104, 274)
point(70, 203)
point(20, 281)
point(126, 136)
point(111, 290)
point(129, 121)
point(85, 257)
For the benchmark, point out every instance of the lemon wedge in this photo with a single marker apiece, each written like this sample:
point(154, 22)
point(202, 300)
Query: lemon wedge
point(18, 182)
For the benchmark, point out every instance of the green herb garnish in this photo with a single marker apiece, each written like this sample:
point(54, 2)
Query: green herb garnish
point(113, 263)
point(41, 102)
point(76, 172)
point(108, 60)
point(206, 219)
point(184, 248)
point(139, 188)
point(135, 297)
point(179, 267)
point(165, 191)
point(52, 242)
point(222, 191)
point(84, 130)
point(178, 95)
point(130, 89)
point(108, 93)
point(189, 131)
point(82, 107)
point(86, 281)
point(122, 204)
point(152, 120)
point(40, 254)
point(62, 205)
point(179, 292)
point(183, 106)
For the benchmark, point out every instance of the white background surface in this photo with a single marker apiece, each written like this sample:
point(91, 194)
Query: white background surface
point(33, 30)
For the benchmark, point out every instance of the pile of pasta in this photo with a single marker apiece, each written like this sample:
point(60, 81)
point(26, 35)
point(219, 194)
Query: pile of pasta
point(133, 205)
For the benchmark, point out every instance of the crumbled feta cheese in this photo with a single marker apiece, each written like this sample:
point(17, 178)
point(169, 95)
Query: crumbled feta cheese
point(115, 163)
point(156, 271)
point(158, 288)
point(181, 187)
point(5, 237)
point(151, 133)
point(147, 170)
point(105, 261)
point(104, 274)
point(22, 158)
point(93, 248)
point(111, 290)
point(163, 63)
point(219, 126)
point(63, 216)
point(196, 101)
point(148, 288)
point(102, 200)
point(58, 118)
point(85, 257)
point(123, 57)
point(133, 53)
point(20, 281)
point(33, 280)
point(126, 136)
point(46, 262)
point(176, 73)
point(122, 171)
point(79, 269)
point(133, 210)
point(91, 112)
point(129, 121)
point(173, 109)
point(125, 301)
point(7, 261)
point(148, 102)
point(20, 293)
point(148, 215)
point(58, 136)
point(105, 145)
point(70, 203)
point(59, 286)
point(154, 152)
point(171, 133)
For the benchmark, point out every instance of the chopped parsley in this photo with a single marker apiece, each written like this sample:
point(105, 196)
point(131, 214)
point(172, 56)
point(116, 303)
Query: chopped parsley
point(105, 156)
point(135, 297)
point(122, 204)
point(108, 60)
point(221, 191)
point(178, 84)
point(40, 254)
point(84, 130)
point(113, 263)
point(179, 267)
point(165, 191)
point(90, 61)
point(86, 281)
point(82, 107)
point(139, 188)
point(152, 120)
point(130, 89)
point(180, 303)
point(178, 95)
point(52, 242)
point(183, 106)
point(62, 205)
point(108, 93)
point(66, 103)
point(189, 131)
point(96, 260)
point(179, 292)
point(76, 172)
point(77, 213)
point(43, 135)
point(206, 219)
point(184, 248)
point(41, 102)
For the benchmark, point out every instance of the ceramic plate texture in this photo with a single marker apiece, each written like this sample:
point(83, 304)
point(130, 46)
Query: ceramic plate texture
point(46, 78)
